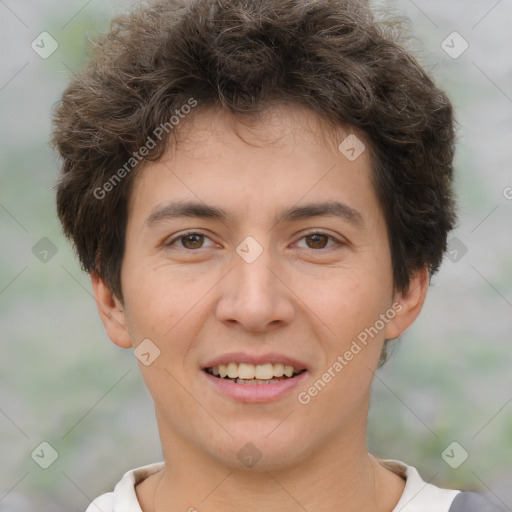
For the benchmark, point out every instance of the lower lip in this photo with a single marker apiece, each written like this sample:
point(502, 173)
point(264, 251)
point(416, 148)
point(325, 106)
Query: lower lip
point(256, 393)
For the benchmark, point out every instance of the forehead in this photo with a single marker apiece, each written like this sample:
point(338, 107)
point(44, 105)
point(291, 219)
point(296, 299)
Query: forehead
point(267, 161)
point(278, 126)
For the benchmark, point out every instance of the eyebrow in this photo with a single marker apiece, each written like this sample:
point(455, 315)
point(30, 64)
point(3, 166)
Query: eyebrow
point(199, 210)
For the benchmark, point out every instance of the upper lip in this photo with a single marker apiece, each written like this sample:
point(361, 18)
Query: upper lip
point(242, 357)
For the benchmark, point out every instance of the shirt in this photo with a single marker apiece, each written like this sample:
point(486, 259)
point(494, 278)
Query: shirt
point(418, 495)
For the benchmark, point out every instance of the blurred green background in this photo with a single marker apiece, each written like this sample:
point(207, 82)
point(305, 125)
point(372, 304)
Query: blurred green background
point(63, 382)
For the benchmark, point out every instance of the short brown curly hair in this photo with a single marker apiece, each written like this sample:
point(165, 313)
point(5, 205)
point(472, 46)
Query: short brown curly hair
point(243, 56)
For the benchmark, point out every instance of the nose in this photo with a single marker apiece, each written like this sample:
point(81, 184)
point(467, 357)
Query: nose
point(255, 294)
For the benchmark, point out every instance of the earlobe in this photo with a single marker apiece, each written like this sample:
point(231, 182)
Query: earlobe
point(411, 302)
point(111, 312)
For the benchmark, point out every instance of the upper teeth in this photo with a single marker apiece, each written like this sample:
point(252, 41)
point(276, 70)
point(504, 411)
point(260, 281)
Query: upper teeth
point(250, 371)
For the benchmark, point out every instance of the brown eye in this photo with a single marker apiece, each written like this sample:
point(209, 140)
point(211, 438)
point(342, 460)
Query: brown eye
point(193, 241)
point(318, 241)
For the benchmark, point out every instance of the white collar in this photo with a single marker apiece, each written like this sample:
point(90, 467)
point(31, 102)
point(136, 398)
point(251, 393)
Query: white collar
point(418, 495)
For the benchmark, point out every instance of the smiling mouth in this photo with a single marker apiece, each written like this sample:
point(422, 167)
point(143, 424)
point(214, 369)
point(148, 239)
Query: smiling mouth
point(250, 374)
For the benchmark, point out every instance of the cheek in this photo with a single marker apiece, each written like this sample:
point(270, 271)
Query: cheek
point(350, 303)
point(143, 305)
point(161, 304)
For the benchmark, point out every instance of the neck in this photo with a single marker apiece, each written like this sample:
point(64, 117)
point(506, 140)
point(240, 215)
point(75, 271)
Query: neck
point(342, 476)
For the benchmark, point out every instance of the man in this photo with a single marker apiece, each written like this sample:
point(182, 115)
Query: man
point(260, 191)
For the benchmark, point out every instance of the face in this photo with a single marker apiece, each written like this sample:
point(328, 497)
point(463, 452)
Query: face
point(281, 263)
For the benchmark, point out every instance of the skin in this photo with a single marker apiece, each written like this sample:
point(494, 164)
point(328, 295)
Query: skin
point(307, 298)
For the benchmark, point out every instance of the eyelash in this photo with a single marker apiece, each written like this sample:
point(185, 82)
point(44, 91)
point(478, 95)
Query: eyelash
point(189, 233)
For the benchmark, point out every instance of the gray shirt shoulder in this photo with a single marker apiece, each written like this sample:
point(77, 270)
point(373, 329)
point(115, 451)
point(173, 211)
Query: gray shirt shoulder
point(473, 502)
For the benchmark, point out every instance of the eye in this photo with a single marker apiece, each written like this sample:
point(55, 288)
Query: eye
point(191, 240)
point(318, 240)
point(194, 240)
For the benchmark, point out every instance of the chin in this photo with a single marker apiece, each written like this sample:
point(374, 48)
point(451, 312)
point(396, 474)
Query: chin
point(260, 450)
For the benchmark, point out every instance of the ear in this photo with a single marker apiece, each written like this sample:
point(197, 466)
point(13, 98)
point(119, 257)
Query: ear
point(411, 302)
point(111, 312)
